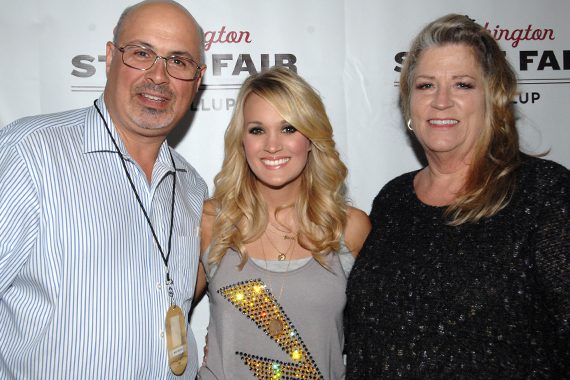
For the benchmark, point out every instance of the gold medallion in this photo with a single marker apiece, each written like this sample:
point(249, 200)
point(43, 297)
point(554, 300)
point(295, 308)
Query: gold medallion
point(275, 327)
point(176, 340)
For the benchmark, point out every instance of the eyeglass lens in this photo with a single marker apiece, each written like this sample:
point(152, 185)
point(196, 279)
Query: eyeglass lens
point(142, 58)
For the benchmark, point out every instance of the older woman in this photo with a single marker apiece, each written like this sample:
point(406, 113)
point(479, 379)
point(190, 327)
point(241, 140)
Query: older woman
point(278, 238)
point(466, 273)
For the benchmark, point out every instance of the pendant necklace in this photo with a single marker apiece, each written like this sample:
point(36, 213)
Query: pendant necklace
point(276, 325)
point(281, 255)
point(175, 321)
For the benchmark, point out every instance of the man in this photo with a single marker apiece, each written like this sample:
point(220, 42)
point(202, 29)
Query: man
point(99, 218)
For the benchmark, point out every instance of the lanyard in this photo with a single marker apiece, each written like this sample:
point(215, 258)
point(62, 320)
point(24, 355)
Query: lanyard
point(165, 258)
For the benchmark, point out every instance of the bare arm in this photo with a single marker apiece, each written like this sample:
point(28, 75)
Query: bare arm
point(357, 228)
point(206, 226)
point(201, 283)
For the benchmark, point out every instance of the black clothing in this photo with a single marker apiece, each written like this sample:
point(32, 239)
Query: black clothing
point(485, 300)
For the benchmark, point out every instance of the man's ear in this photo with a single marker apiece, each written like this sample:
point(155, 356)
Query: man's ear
point(108, 56)
point(199, 79)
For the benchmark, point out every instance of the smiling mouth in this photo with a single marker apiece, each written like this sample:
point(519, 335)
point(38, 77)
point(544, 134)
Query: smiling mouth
point(443, 122)
point(278, 162)
point(153, 98)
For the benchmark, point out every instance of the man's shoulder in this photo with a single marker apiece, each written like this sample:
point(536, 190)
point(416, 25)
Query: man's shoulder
point(183, 166)
point(40, 126)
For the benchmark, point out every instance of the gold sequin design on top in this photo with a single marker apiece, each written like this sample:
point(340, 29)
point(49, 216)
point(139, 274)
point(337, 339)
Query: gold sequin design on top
point(254, 300)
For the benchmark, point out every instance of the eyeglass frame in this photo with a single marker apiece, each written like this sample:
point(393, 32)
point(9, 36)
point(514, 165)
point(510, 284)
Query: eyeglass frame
point(197, 74)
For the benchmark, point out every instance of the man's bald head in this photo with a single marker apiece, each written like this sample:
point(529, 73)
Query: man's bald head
point(129, 11)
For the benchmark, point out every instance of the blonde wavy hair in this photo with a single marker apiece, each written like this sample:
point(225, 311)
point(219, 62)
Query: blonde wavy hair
point(321, 207)
point(491, 179)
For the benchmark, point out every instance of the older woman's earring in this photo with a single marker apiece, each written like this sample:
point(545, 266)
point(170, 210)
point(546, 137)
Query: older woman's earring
point(409, 124)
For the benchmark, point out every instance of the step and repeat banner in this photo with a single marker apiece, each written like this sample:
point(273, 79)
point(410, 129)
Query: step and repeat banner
point(351, 51)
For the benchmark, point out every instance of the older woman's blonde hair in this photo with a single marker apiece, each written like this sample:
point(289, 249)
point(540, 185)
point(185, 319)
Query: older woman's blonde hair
point(492, 174)
point(320, 209)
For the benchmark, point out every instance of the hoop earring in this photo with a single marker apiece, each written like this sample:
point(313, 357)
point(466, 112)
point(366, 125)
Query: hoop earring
point(409, 124)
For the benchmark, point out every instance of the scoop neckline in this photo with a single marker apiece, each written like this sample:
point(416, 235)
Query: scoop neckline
point(414, 195)
point(305, 265)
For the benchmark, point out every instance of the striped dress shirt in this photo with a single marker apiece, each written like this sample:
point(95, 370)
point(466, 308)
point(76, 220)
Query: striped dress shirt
point(82, 282)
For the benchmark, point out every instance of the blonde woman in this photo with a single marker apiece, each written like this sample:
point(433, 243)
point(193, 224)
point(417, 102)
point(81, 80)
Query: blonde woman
point(278, 238)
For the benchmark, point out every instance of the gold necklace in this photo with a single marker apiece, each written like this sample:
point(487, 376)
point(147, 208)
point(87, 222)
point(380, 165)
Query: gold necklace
point(282, 255)
point(276, 327)
point(285, 236)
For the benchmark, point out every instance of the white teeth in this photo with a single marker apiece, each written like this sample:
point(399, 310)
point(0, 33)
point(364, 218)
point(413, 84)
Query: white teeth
point(278, 162)
point(444, 122)
point(155, 98)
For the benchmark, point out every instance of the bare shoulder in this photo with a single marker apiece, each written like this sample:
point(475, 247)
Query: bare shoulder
point(206, 226)
point(357, 228)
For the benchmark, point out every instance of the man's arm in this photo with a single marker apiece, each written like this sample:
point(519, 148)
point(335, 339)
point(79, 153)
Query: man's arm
point(19, 216)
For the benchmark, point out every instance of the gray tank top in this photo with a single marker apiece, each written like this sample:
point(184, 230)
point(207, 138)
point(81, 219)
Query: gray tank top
point(266, 324)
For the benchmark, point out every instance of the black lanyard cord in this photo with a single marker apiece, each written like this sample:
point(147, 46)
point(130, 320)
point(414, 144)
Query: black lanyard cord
point(167, 256)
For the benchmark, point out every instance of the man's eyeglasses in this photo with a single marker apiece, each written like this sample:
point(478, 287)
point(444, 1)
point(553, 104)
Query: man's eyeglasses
point(143, 58)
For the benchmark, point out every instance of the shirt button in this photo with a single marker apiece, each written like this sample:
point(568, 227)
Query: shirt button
point(158, 286)
point(162, 334)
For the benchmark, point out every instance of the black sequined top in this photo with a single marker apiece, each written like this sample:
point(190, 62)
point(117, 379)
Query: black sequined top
point(487, 300)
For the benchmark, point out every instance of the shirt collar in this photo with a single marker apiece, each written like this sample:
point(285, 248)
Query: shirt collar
point(97, 138)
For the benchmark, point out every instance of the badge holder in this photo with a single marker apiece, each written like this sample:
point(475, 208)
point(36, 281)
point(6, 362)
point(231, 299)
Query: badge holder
point(176, 338)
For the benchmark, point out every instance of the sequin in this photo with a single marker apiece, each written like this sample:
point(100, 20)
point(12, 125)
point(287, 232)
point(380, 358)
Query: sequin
point(269, 316)
point(482, 300)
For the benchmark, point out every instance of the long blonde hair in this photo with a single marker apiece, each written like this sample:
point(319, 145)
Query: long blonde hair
point(491, 179)
point(320, 209)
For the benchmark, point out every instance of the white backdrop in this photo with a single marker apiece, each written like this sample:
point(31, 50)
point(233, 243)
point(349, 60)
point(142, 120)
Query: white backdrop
point(53, 60)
